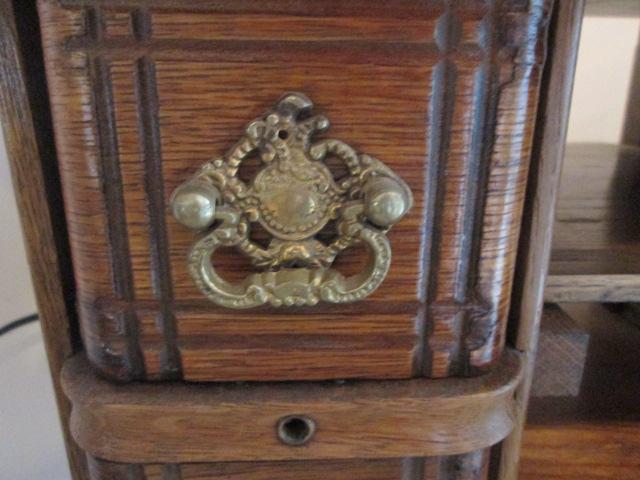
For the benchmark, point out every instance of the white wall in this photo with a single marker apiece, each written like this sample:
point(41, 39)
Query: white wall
point(31, 446)
point(603, 77)
point(16, 293)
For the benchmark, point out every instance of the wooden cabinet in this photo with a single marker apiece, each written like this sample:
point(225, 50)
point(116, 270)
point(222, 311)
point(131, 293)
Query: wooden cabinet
point(413, 379)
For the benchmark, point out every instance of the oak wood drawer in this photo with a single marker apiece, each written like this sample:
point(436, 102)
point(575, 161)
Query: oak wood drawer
point(443, 92)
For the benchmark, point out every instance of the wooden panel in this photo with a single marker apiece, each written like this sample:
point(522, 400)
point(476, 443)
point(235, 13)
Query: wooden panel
point(597, 230)
point(604, 360)
point(596, 242)
point(459, 467)
point(444, 92)
point(178, 422)
point(584, 418)
point(211, 26)
point(608, 288)
point(314, 470)
point(28, 140)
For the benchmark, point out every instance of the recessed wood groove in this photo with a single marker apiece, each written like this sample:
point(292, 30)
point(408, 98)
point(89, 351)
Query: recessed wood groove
point(149, 132)
point(482, 145)
point(112, 192)
point(141, 24)
point(441, 116)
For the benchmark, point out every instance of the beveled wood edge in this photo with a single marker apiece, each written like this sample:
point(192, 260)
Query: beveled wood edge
point(185, 423)
point(539, 213)
point(611, 288)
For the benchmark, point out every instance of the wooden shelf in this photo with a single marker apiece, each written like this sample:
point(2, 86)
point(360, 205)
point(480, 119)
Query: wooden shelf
point(613, 8)
point(596, 241)
point(584, 413)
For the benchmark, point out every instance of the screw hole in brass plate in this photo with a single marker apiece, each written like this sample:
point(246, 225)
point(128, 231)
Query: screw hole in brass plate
point(283, 134)
point(296, 430)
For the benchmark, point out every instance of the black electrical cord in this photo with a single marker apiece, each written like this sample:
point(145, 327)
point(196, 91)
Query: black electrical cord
point(18, 323)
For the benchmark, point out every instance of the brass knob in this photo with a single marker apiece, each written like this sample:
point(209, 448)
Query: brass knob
point(293, 197)
point(194, 204)
point(386, 201)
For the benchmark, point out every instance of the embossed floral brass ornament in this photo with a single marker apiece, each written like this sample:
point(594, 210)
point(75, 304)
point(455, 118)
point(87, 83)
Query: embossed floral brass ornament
point(293, 197)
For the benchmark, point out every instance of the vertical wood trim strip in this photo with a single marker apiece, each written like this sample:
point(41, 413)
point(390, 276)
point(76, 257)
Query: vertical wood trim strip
point(149, 129)
point(113, 195)
point(28, 145)
point(444, 79)
point(478, 180)
point(507, 177)
point(537, 230)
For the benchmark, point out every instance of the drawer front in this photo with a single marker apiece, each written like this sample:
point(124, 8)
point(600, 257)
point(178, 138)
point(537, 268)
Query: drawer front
point(416, 429)
point(443, 92)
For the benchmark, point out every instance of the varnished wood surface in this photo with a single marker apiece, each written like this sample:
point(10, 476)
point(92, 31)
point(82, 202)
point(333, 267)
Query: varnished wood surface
point(584, 418)
point(535, 245)
point(177, 423)
point(468, 467)
point(26, 125)
point(596, 243)
point(443, 92)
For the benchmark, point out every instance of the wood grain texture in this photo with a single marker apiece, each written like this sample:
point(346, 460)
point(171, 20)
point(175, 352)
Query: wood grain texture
point(27, 137)
point(535, 248)
point(596, 241)
point(591, 430)
point(608, 288)
point(177, 422)
point(444, 92)
point(451, 468)
point(581, 452)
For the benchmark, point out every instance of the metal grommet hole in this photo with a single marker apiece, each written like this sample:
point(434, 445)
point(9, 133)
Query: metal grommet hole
point(296, 430)
point(283, 134)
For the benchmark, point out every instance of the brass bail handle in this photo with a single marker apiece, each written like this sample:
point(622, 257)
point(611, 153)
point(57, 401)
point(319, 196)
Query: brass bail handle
point(293, 197)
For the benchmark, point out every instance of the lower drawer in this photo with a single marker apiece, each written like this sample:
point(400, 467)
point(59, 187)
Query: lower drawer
point(471, 466)
point(402, 429)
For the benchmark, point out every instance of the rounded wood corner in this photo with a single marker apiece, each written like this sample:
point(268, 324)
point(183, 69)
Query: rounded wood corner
point(181, 422)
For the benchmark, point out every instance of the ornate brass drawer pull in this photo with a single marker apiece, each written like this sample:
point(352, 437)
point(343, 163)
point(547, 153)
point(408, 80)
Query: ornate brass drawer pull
point(293, 197)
